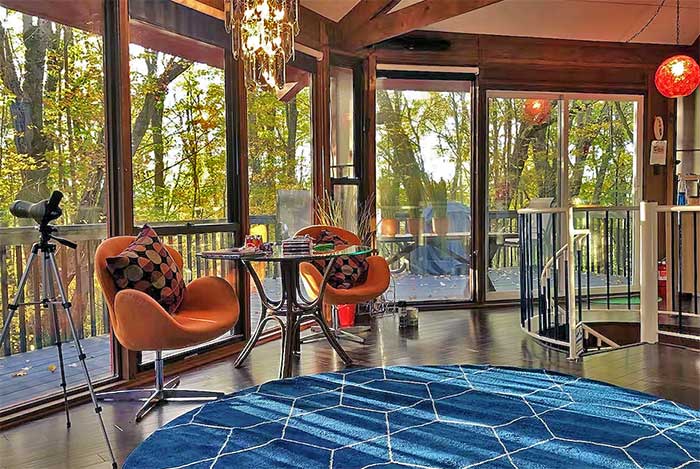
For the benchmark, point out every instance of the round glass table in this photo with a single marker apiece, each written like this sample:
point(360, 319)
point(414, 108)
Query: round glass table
point(293, 305)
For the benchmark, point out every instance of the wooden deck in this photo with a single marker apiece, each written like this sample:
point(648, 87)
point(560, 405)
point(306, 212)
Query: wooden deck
point(40, 381)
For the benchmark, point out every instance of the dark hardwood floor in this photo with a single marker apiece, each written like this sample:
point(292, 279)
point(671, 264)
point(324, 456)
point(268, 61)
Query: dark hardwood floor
point(443, 337)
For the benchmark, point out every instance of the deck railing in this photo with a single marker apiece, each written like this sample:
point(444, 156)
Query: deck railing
point(502, 227)
point(32, 330)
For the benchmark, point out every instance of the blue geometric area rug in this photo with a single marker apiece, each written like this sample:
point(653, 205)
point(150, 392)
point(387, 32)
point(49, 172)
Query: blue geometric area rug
point(429, 416)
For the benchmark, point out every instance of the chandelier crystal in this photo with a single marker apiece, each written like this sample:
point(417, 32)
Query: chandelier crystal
point(262, 34)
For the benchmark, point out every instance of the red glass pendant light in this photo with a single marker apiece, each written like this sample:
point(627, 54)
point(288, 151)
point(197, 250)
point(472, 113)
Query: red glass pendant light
point(537, 110)
point(677, 76)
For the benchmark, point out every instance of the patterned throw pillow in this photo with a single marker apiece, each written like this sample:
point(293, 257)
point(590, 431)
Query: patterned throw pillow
point(347, 271)
point(146, 265)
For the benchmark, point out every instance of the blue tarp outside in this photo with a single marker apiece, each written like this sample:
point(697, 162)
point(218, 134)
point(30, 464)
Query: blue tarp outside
point(433, 258)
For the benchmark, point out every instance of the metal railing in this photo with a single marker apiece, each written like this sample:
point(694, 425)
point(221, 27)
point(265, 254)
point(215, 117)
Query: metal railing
point(541, 246)
point(677, 303)
point(576, 260)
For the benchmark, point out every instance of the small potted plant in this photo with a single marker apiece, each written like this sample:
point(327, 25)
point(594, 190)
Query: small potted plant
point(414, 196)
point(388, 197)
point(436, 192)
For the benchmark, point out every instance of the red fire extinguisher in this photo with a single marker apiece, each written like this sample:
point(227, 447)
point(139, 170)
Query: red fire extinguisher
point(662, 276)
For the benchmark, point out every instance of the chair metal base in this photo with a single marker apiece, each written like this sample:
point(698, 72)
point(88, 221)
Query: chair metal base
point(161, 393)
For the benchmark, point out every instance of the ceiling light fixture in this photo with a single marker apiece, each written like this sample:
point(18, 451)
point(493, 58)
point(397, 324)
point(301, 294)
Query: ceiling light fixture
point(677, 76)
point(537, 110)
point(262, 35)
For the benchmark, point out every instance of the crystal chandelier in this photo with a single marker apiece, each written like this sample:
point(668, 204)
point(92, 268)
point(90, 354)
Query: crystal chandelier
point(262, 34)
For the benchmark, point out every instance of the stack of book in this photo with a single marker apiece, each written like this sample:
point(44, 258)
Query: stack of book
point(298, 246)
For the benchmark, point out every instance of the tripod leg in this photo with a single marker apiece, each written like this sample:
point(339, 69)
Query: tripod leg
point(48, 297)
point(81, 355)
point(18, 297)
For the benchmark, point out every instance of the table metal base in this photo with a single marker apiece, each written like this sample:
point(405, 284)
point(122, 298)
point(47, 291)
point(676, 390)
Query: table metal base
point(290, 312)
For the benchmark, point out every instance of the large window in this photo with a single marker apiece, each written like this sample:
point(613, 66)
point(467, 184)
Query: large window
point(344, 173)
point(424, 183)
point(178, 138)
point(524, 167)
point(547, 148)
point(279, 168)
point(52, 138)
point(179, 157)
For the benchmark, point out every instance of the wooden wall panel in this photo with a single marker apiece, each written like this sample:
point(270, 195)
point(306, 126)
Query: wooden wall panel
point(159, 39)
point(550, 78)
point(310, 24)
point(487, 50)
point(517, 50)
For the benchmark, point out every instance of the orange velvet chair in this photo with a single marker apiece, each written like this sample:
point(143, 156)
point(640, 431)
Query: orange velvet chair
point(208, 310)
point(378, 278)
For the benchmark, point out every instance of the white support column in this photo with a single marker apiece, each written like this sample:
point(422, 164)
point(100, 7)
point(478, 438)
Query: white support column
point(571, 272)
point(648, 283)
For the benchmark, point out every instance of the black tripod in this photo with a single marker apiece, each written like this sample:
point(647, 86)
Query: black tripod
point(49, 272)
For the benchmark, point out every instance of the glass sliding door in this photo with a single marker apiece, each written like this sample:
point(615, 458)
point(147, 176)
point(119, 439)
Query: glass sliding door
point(52, 138)
point(524, 166)
point(279, 170)
point(424, 186)
point(604, 185)
point(546, 148)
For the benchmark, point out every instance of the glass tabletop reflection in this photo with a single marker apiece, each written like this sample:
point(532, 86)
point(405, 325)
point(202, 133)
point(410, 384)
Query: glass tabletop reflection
point(277, 254)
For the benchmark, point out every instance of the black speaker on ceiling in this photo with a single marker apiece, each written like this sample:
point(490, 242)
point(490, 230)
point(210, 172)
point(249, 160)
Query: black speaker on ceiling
point(416, 43)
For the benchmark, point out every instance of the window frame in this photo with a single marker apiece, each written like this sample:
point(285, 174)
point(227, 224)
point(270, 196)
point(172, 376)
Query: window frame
point(358, 163)
point(564, 98)
point(439, 73)
point(109, 12)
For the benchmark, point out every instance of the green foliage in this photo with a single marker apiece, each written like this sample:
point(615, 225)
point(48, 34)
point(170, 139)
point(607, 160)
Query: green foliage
point(524, 158)
point(67, 137)
point(388, 197)
point(279, 148)
point(423, 135)
point(436, 193)
point(56, 74)
point(180, 164)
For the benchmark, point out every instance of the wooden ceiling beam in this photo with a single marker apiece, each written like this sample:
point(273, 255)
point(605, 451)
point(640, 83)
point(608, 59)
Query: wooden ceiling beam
point(416, 16)
point(213, 8)
point(362, 13)
point(292, 88)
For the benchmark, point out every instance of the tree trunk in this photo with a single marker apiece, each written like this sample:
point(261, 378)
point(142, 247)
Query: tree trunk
point(36, 40)
point(172, 70)
point(292, 119)
point(402, 157)
point(158, 154)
